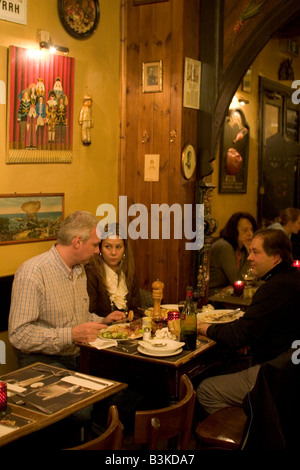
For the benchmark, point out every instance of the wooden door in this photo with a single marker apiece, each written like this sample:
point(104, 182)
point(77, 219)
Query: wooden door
point(279, 147)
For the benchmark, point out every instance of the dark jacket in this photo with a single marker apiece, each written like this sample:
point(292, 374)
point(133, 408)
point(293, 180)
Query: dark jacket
point(272, 322)
point(273, 406)
point(99, 298)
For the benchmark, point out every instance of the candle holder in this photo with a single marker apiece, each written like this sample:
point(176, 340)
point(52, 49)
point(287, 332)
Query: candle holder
point(3, 396)
point(238, 288)
point(296, 263)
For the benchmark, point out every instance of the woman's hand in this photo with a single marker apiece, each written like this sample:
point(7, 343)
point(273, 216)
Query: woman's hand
point(114, 316)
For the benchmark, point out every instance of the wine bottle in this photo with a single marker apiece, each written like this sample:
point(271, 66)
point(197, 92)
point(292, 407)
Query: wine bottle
point(188, 322)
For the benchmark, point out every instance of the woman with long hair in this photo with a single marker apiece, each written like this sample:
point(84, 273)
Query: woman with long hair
point(111, 278)
point(228, 256)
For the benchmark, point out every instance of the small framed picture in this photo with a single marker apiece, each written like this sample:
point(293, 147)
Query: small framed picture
point(188, 161)
point(152, 77)
point(247, 81)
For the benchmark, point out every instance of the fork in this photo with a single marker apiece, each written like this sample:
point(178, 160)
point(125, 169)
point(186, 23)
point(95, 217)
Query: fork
point(49, 371)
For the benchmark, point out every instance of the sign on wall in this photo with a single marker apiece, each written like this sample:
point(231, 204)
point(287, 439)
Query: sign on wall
point(14, 11)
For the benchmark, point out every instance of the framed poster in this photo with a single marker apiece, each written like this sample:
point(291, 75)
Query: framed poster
point(30, 217)
point(152, 76)
point(192, 83)
point(40, 107)
point(234, 151)
point(79, 18)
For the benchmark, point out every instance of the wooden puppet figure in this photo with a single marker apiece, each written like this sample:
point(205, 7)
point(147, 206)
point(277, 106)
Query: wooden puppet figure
point(51, 116)
point(86, 120)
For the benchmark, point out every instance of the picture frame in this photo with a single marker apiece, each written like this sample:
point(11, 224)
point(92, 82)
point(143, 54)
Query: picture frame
point(79, 18)
point(247, 81)
point(143, 2)
point(36, 95)
point(152, 76)
point(234, 153)
point(192, 83)
point(28, 218)
point(188, 161)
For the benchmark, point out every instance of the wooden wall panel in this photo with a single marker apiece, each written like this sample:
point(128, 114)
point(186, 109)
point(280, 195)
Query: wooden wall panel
point(152, 32)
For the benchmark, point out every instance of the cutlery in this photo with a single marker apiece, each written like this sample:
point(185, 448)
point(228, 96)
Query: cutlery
point(92, 379)
point(17, 401)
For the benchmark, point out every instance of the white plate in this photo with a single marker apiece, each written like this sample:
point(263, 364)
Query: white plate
point(171, 345)
point(213, 315)
point(112, 327)
point(159, 354)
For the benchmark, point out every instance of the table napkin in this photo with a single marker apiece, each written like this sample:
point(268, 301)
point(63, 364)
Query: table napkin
point(104, 343)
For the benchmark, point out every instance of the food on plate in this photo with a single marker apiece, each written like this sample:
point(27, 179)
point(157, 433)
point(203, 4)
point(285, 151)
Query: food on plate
point(218, 316)
point(121, 331)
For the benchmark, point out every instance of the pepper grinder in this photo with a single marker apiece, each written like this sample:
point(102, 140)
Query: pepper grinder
point(157, 295)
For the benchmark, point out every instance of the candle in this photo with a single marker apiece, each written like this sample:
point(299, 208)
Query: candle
point(296, 264)
point(3, 396)
point(238, 288)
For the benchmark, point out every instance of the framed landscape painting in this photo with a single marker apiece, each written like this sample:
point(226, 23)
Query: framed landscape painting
point(30, 217)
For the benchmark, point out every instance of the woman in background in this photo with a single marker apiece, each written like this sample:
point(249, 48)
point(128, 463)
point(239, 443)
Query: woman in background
point(111, 278)
point(228, 256)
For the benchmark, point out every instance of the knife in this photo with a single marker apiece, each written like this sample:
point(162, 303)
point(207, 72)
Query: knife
point(25, 383)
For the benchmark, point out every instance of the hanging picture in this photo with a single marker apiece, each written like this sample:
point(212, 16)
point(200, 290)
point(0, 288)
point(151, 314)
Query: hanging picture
point(30, 217)
point(40, 107)
point(234, 151)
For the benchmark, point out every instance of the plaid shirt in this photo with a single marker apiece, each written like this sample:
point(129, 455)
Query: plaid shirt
point(48, 299)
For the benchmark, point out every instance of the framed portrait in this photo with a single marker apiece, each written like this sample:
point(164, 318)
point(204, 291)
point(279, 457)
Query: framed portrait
point(188, 161)
point(152, 77)
point(40, 107)
point(30, 217)
point(79, 18)
point(234, 152)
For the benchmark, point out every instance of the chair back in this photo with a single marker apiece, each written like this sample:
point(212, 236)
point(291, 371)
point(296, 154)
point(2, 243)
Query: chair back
point(111, 439)
point(175, 421)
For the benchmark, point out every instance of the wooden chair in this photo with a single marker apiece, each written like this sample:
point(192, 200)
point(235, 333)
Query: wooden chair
point(173, 422)
point(223, 429)
point(111, 439)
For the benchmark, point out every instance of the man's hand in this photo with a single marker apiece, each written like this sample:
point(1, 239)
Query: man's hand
point(114, 316)
point(86, 332)
point(202, 328)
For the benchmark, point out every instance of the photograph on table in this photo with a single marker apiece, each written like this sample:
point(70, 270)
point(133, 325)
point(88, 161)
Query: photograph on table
point(40, 107)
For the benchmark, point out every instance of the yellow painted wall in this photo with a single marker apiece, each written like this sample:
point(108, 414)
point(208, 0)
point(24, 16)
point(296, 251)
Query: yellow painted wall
point(266, 65)
point(92, 178)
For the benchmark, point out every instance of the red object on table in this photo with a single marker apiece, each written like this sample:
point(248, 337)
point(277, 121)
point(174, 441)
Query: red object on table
point(296, 264)
point(3, 396)
point(238, 288)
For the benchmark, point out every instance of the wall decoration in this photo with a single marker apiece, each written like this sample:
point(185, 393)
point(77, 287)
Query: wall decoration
point(86, 119)
point(234, 151)
point(152, 77)
point(30, 217)
point(80, 18)
point(192, 83)
point(151, 168)
point(247, 81)
point(40, 107)
point(16, 11)
point(188, 162)
point(251, 9)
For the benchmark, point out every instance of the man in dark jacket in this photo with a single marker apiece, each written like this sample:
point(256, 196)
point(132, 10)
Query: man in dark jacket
point(269, 326)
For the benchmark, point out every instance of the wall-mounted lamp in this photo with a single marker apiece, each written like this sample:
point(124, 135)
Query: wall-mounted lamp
point(242, 101)
point(53, 47)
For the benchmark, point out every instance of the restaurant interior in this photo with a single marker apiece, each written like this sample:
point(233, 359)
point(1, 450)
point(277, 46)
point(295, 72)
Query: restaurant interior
point(244, 65)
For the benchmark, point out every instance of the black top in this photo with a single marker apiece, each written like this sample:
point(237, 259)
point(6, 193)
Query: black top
point(272, 322)
point(99, 298)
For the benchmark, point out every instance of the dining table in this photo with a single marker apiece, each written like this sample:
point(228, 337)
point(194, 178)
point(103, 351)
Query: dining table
point(41, 394)
point(221, 299)
point(125, 360)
